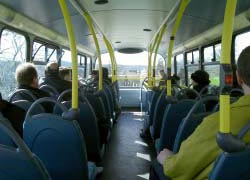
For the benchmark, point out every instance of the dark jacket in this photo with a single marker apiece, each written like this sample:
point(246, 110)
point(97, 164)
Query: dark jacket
point(54, 80)
point(38, 93)
point(14, 114)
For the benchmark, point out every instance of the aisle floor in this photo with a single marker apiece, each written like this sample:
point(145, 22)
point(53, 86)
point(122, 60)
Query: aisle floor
point(127, 156)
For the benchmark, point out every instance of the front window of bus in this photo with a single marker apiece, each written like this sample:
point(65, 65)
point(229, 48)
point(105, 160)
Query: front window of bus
point(241, 42)
point(12, 53)
point(132, 68)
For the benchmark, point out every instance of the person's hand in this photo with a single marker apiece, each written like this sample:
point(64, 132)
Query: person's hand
point(162, 156)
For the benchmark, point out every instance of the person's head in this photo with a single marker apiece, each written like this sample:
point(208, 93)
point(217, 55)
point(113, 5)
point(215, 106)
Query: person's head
point(200, 77)
point(94, 74)
point(175, 79)
point(52, 68)
point(105, 73)
point(26, 75)
point(243, 70)
point(65, 73)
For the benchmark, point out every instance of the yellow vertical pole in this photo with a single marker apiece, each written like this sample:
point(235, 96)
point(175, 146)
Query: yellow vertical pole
point(72, 41)
point(91, 28)
point(181, 10)
point(112, 58)
point(163, 30)
point(225, 62)
point(151, 50)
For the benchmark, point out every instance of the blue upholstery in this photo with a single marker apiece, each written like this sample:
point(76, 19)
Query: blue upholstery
point(173, 116)
point(111, 101)
point(154, 98)
point(17, 162)
point(88, 124)
point(25, 105)
point(160, 106)
point(187, 127)
point(232, 166)
point(91, 171)
point(59, 143)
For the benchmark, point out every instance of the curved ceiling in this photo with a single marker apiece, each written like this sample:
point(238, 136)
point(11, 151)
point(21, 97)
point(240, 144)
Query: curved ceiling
point(124, 20)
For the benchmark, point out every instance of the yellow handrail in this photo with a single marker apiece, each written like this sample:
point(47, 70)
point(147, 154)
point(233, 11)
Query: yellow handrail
point(163, 30)
point(151, 50)
point(91, 28)
point(225, 60)
point(112, 58)
point(181, 10)
point(72, 41)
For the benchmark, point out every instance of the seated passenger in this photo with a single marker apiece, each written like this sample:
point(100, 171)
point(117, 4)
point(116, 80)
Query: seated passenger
point(105, 76)
point(65, 73)
point(200, 79)
point(197, 154)
point(27, 78)
point(52, 78)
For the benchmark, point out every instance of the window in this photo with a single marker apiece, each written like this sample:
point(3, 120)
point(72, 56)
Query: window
point(12, 53)
point(88, 68)
point(193, 60)
point(66, 59)
point(241, 42)
point(212, 56)
point(81, 67)
point(105, 62)
point(180, 68)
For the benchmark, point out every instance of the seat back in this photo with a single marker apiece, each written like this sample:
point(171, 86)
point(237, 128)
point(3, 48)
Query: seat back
point(173, 115)
point(17, 161)
point(160, 106)
point(88, 124)
point(155, 96)
point(102, 94)
point(22, 94)
point(49, 89)
point(58, 142)
point(192, 120)
point(233, 165)
point(25, 105)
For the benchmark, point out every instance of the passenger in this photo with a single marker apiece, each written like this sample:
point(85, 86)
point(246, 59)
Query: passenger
point(105, 74)
point(163, 78)
point(175, 79)
point(197, 154)
point(200, 79)
point(65, 73)
point(52, 78)
point(27, 78)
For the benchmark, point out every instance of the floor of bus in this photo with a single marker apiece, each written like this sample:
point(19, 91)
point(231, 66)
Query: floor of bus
point(127, 156)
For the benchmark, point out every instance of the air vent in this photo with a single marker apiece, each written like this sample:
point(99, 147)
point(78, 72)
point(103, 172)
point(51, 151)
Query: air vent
point(147, 30)
point(130, 50)
point(99, 2)
point(118, 42)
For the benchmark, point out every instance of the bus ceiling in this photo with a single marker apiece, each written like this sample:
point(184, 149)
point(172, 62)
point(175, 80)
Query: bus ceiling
point(122, 21)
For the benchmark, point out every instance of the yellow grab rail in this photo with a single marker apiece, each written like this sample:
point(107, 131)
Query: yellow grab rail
point(91, 28)
point(181, 10)
point(163, 30)
point(112, 58)
point(225, 62)
point(151, 50)
point(72, 41)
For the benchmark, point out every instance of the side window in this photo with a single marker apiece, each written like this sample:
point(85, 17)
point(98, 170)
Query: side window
point(212, 56)
point(41, 55)
point(66, 59)
point(12, 53)
point(81, 67)
point(88, 68)
point(180, 68)
point(241, 42)
point(193, 60)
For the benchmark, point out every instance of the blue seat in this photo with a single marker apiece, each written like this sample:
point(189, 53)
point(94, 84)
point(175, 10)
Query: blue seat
point(233, 164)
point(58, 142)
point(173, 116)
point(160, 106)
point(17, 162)
point(49, 89)
point(88, 124)
point(25, 105)
point(154, 98)
point(192, 120)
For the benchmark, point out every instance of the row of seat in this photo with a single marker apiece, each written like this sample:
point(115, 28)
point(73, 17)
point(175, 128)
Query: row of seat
point(59, 138)
point(173, 120)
